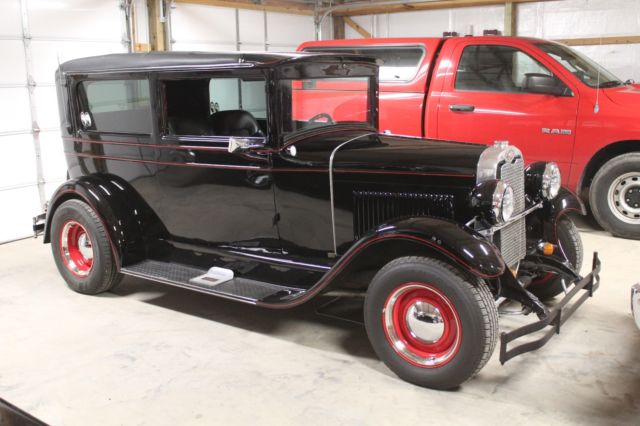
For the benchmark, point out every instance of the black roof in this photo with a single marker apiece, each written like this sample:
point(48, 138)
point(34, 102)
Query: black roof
point(196, 60)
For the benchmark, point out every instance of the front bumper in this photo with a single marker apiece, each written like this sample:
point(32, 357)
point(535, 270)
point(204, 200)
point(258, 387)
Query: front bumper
point(635, 303)
point(555, 317)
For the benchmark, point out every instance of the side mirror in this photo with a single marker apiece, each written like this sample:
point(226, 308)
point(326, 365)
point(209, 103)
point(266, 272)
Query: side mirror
point(543, 84)
point(245, 144)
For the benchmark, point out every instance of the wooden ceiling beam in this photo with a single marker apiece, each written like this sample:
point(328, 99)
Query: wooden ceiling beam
point(594, 41)
point(280, 6)
point(373, 9)
point(356, 27)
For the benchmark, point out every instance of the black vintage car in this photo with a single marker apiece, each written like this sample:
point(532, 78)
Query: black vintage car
point(261, 178)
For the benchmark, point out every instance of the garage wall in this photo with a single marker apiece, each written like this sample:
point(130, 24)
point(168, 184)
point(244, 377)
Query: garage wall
point(34, 36)
point(206, 28)
point(551, 20)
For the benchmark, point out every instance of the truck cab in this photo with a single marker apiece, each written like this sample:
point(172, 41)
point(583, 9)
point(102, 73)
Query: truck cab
point(548, 100)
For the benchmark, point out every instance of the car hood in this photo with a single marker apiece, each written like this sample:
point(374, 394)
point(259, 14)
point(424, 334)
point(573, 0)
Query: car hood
point(382, 153)
point(628, 96)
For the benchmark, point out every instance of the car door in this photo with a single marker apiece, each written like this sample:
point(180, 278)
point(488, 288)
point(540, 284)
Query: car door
point(484, 99)
point(208, 194)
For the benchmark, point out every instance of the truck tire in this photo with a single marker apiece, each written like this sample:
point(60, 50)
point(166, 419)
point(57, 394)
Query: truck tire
point(614, 196)
point(81, 249)
point(428, 323)
point(570, 244)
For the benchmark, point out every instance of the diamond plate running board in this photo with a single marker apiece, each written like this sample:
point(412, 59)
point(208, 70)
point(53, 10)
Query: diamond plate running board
point(179, 275)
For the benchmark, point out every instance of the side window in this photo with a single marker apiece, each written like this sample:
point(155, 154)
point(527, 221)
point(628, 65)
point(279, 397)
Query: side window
point(226, 106)
point(494, 68)
point(116, 106)
point(398, 63)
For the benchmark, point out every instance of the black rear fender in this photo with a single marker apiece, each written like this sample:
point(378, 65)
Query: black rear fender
point(130, 222)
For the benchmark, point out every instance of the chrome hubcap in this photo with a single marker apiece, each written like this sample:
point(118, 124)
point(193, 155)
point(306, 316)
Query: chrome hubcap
point(425, 322)
point(624, 198)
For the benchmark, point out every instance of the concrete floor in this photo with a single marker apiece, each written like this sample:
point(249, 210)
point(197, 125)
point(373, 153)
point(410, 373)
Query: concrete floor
point(152, 354)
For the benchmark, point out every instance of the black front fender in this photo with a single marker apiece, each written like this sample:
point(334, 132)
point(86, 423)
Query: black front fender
point(129, 221)
point(552, 211)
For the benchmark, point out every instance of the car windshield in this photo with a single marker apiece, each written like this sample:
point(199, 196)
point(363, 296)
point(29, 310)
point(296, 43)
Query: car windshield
point(581, 66)
point(318, 102)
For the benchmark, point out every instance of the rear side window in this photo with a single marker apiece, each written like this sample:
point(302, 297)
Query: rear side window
point(116, 106)
point(399, 63)
point(494, 68)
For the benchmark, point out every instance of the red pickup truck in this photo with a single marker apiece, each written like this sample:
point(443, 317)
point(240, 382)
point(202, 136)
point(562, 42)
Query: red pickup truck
point(547, 99)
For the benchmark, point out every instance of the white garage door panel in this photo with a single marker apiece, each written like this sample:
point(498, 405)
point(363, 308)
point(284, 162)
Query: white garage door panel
point(18, 168)
point(14, 110)
point(286, 29)
point(192, 23)
point(47, 107)
point(10, 21)
point(12, 70)
point(623, 60)
point(45, 54)
point(476, 19)
point(84, 19)
point(19, 207)
point(251, 27)
point(204, 47)
point(54, 165)
point(419, 24)
point(252, 47)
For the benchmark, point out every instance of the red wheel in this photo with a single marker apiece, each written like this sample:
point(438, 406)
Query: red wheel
point(431, 323)
point(81, 249)
point(76, 248)
point(422, 325)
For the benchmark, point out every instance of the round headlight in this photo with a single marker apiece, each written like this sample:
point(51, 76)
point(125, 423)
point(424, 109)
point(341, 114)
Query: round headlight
point(551, 181)
point(494, 201)
point(507, 206)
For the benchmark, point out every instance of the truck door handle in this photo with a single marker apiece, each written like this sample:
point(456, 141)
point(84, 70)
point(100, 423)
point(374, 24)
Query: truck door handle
point(461, 108)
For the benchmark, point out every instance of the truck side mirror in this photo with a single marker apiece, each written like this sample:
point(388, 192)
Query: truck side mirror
point(543, 84)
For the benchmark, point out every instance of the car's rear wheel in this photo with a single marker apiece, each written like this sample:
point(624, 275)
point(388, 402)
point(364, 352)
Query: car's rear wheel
point(428, 322)
point(570, 245)
point(81, 249)
point(614, 196)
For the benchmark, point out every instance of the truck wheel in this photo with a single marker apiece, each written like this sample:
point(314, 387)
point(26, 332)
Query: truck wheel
point(570, 244)
point(428, 323)
point(614, 196)
point(81, 249)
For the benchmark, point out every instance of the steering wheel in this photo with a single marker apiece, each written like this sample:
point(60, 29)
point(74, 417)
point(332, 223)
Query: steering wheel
point(321, 115)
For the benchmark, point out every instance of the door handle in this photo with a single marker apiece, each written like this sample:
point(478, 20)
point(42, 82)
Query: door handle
point(461, 108)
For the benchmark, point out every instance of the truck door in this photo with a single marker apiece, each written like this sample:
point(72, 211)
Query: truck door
point(486, 97)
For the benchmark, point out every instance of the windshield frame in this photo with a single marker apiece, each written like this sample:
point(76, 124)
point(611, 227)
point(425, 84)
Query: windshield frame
point(605, 79)
point(285, 105)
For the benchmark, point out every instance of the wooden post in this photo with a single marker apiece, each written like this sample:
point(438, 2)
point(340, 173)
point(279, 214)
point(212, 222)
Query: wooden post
point(510, 19)
point(338, 27)
point(156, 28)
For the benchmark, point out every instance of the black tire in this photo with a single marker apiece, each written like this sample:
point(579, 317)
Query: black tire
point(605, 211)
point(102, 274)
point(473, 306)
point(571, 248)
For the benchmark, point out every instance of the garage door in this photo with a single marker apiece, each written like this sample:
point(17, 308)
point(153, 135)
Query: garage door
point(34, 36)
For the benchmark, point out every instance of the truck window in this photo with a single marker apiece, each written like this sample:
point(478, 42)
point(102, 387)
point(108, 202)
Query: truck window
point(399, 63)
point(225, 106)
point(494, 68)
point(115, 106)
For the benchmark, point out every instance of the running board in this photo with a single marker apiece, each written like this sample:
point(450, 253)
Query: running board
point(240, 289)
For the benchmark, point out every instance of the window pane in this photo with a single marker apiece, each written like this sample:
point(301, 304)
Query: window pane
point(226, 106)
point(399, 63)
point(118, 106)
point(495, 69)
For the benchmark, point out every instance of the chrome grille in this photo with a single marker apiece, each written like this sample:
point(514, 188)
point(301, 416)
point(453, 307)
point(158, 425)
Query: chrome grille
point(512, 239)
point(371, 208)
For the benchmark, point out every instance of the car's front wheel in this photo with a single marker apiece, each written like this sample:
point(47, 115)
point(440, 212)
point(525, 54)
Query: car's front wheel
point(428, 323)
point(81, 249)
point(614, 196)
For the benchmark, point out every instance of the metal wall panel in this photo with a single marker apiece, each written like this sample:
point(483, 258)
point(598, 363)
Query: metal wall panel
point(34, 36)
